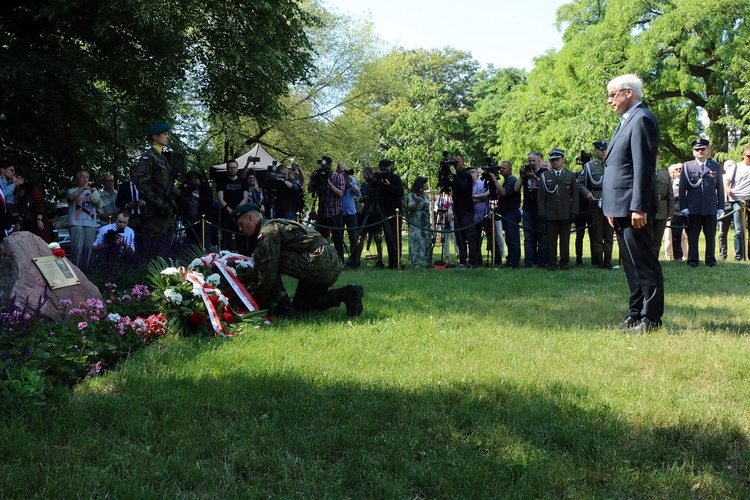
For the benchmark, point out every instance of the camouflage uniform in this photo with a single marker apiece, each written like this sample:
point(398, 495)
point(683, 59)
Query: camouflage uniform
point(154, 173)
point(287, 247)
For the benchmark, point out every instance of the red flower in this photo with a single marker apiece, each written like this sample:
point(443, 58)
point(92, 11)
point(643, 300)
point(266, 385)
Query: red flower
point(214, 300)
point(227, 317)
point(196, 318)
point(59, 253)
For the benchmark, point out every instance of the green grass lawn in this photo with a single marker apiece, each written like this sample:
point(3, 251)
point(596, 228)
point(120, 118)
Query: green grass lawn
point(452, 384)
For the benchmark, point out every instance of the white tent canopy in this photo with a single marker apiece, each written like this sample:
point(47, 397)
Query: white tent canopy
point(265, 160)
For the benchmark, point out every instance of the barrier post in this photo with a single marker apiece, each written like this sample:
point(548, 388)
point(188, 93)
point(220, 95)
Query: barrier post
point(398, 239)
point(203, 231)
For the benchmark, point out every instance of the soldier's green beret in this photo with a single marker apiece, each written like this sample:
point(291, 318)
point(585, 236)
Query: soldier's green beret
point(244, 208)
point(158, 128)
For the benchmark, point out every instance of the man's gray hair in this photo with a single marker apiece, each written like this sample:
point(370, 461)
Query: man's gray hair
point(629, 81)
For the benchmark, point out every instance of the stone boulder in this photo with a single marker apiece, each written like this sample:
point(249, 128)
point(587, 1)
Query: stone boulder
point(20, 277)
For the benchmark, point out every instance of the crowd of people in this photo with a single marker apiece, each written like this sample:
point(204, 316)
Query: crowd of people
point(545, 202)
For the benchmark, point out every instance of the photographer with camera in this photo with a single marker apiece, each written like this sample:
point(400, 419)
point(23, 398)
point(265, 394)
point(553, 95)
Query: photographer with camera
point(284, 192)
point(391, 192)
point(461, 183)
point(509, 209)
point(116, 240)
point(601, 234)
point(349, 212)
point(83, 201)
point(329, 187)
point(534, 230)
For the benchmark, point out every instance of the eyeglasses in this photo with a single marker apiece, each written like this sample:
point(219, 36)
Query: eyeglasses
point(699, 149)
point(613, 94)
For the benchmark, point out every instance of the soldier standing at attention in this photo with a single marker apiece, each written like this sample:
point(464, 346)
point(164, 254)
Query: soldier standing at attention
point(601, 233)
point(702, 198)
point(558, 206)
point(154, 177)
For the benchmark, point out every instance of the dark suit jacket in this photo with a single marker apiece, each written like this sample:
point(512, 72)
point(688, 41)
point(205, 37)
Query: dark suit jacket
point(708, 196)
point(124, 195)
point(630, 166)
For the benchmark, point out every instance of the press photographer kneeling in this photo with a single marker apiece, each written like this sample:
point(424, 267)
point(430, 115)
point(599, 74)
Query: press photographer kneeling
point(115, 240)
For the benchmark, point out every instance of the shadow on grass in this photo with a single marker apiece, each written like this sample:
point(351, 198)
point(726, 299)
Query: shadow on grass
point(279, 435)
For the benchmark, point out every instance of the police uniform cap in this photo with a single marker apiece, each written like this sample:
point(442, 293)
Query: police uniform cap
point(556, 153)
point(385, 163)
point(158, 128)
point(245, 208)
point(601, 145)
point(700, 143)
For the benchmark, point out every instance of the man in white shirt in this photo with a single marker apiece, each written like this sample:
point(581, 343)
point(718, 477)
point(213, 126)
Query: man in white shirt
point(737, 188)
point(115, 240)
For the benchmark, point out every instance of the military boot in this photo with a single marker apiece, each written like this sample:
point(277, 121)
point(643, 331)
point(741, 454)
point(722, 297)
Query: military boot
point(352, 295)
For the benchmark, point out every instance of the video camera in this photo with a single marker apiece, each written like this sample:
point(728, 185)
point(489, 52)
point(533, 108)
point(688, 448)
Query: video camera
point(583, 158)
point(490, 166)
point(111, 236)
point(321, 175)
point(444, 172)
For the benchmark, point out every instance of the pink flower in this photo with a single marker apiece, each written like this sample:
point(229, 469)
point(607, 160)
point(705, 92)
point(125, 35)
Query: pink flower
point(95, 369)
point(82, 325)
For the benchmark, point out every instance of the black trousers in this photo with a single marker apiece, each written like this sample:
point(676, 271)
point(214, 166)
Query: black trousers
point(696, 224)
point(642, 268)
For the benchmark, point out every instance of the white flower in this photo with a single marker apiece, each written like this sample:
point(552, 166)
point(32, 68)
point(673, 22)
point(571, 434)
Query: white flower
point(114, 317)
point(214, 279)
point(54, 245)
point(197, 291)
point(225, 253)
point(196, 263)
point(249, 263)
point(171, 295)
point(170, 271)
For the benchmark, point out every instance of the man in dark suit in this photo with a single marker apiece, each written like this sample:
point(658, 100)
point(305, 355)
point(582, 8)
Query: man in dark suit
point(702, 199)
point(128, 198)
point(629, 201)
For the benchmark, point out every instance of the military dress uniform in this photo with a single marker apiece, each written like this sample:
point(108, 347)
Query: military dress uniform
point(601, 234)
point(702, 195)
point(287, 247)
point(558, 205)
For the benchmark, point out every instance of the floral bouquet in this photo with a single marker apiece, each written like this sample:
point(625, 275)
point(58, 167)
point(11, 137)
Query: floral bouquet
point(194, 303)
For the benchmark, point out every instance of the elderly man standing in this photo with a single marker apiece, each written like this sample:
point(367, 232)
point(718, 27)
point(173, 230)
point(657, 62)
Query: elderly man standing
point(629, 201)
point(109, 199)
point(287, 247)
point(702, 198)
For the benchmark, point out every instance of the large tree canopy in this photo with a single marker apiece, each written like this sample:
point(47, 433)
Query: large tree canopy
point(81, 79)
point(694, 58)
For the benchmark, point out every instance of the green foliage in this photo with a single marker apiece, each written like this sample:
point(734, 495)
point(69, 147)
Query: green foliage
point(81, 80)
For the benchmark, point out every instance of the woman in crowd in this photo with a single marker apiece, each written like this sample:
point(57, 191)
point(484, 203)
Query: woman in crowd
point(33, 210)
point(420, 237)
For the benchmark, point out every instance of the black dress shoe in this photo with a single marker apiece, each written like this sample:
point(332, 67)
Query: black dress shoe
point(645, 325)
point(606, 265)
point(630, 321)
